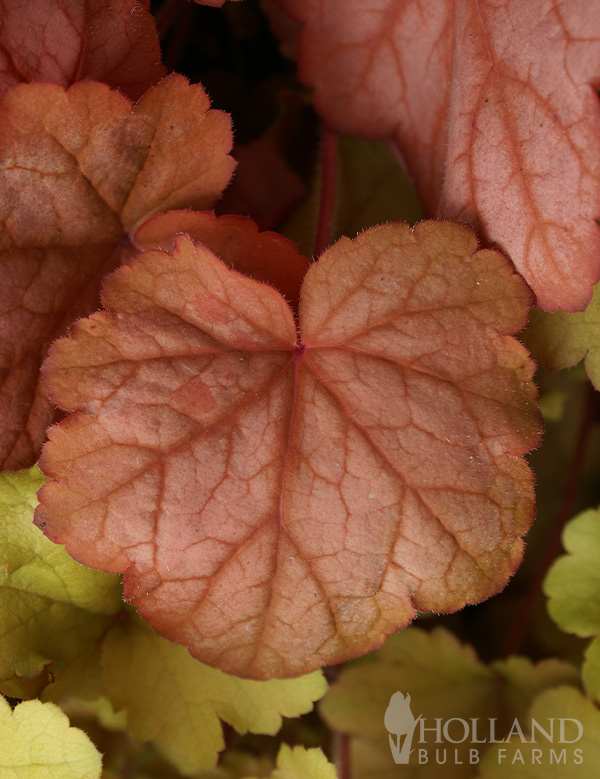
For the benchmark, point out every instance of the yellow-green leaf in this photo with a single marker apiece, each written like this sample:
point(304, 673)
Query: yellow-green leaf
point(51, 607)
point(176, 701)
point(36, 742)
point(301, 763)
point(561, 340)
point(371, 188)
point(572, 757)
point(445, 681)
point(590, 671)
point(573, 583)
point(443, 678)
point(521, 680)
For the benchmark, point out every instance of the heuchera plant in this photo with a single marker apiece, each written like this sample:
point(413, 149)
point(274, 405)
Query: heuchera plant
point(293, 422)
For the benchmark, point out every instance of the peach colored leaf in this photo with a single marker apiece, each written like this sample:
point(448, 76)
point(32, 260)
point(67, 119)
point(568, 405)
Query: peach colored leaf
point(65, 41)
point(79, 171)
point(278, 504)
point(494, 107)
point(265, 256)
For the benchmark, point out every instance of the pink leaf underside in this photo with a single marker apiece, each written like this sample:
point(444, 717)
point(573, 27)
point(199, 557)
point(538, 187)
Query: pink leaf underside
point(278, 504)
point(71, 40)
point(80, 170)
point(494, 107)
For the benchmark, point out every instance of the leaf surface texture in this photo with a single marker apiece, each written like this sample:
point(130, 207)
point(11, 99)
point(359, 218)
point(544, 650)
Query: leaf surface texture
point(36, 741)
point(80, 170)
point(285, 501)
point(70, 41)
point(499, 127)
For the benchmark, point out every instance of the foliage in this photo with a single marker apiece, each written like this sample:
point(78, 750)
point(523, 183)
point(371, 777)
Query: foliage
point(480, 105)
point(198, 361)
point(518, 760)
point(446, 680)
point(36, 741)
point(291, 421)
point(572, 587)
point(59, 614)
point(561, 340)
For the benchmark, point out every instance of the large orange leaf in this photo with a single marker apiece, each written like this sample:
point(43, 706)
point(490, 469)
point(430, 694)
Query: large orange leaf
point(80, 170)
point(277, 501)
point(494, 107)
point(69, 40)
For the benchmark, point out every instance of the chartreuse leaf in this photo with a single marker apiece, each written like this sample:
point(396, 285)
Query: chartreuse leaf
point(51, 607)
point(176, 701)
point(522, 680)
point(590, 671)
point(573, 583)
point(560, 340)
point(574, 751)
point(301, 763)
point(371, 188)
point(36, 742)
point(444, 680)
point(552, 405)
point(573, 588)
point(284, 497)
point(433, 667)
point(238, 764)
point(78, 678)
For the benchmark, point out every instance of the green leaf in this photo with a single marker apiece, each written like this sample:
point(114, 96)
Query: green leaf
point(301, 763)
point(561, 340)
point(446, 680)
point(573, 588)
point(523, 680)
point(51, 607)
point(36, 742)
point(177, 702)
point(433, 667)
point(573, 582)
point(239, 764)
point(516, 759)
point(552, 405)
point(79, 678)
point(372, 761)
point(590, 671)
point(372, 188)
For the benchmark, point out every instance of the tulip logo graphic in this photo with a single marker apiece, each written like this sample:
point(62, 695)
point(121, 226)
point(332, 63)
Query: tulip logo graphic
point(399, 721)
